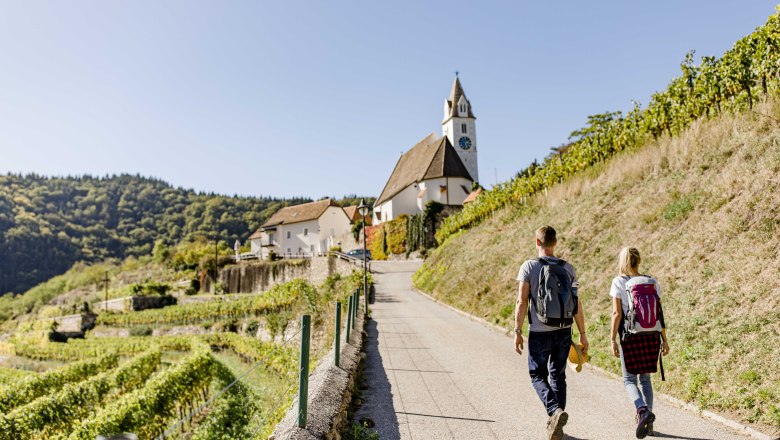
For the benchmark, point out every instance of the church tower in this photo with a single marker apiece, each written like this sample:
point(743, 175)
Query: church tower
point(459, 126)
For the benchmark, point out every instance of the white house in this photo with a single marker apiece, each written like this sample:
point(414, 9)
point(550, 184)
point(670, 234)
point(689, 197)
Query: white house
point(304, 230)
point(442, 169)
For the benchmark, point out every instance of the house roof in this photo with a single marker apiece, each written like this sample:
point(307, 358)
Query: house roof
point(299, 213)
point(455, 94)
point(256, 235)
point(473, 196)
point(352, 212)
point(354, 215)
point(429, 159)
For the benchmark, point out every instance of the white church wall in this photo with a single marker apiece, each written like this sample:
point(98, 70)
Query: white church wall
point(454, 194)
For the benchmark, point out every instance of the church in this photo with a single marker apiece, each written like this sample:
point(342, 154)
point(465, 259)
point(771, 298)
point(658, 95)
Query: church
point(441, 169)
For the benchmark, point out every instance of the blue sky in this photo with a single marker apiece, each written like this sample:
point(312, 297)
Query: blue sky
point(320, 98)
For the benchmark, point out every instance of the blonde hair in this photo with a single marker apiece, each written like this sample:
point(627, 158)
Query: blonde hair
point(628, 259)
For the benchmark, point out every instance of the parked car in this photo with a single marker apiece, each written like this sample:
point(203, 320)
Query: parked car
point(358, 253)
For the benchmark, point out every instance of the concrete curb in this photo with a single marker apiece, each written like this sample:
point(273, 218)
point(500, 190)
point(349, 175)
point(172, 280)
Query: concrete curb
point(731, 424)
point(330, 393)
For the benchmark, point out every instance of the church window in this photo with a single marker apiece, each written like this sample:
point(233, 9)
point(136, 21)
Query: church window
point(463, 128)
point(305, 232)
point(288, 235)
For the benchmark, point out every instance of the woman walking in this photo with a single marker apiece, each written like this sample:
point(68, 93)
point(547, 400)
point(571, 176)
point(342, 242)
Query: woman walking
point(637, 317)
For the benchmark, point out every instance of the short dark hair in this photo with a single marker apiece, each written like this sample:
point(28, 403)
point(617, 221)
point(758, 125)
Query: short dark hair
point(546, 236)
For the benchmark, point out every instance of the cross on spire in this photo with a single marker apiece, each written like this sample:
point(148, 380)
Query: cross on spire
point(456, 73)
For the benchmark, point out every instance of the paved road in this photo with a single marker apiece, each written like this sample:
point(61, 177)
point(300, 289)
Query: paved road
point(435, 374)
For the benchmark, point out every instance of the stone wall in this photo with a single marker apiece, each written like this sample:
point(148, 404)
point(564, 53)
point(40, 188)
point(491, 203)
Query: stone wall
point(137, 303)
point(330, 393)
point(68, 323)
point(260, 276)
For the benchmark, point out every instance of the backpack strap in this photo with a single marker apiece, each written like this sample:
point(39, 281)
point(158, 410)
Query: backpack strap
point(661, 360)
point(543, 261)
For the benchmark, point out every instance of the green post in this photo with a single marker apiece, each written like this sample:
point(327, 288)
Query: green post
point(303, 382)
point(337, 342)
point(356, 303)
point(349, 319)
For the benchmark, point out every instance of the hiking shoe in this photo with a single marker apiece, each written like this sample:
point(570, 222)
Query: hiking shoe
point(644, 420)
point(650, 430)
point(556, 423)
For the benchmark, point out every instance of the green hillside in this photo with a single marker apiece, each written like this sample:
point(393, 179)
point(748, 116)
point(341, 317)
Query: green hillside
point(703, 208)
point(49, 223)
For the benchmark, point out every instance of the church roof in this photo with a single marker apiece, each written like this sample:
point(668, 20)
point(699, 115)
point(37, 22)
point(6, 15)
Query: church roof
point(429, 159)
point(455, 94)
point(299, 213)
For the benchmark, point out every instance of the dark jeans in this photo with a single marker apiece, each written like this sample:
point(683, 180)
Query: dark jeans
point(547, 354)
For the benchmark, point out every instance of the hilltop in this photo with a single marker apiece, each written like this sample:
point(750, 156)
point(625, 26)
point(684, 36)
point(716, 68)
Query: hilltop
point(703, 208)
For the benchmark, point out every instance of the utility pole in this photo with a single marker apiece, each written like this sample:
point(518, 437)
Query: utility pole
point(216, 262)
point(105, 286)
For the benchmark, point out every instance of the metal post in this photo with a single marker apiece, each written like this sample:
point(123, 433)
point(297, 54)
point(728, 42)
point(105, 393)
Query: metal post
point(337, 342)
point(356, 301)
point(303, 382)
point(365, 265)
point(350, 312)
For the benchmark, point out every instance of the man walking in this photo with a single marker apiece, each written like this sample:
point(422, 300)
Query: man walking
point(550, 284)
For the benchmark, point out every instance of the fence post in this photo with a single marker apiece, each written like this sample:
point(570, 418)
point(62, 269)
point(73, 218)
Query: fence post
point(349, 319)
point(356, 303)
point(337, 342)
point(303, 381)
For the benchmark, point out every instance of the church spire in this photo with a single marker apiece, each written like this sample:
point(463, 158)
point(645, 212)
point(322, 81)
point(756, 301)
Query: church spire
point(455, 99)
point(460, 128)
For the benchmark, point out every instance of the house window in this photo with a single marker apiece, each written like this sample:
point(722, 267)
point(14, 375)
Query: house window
point(305, 232)
point(270, 238)
point(288, 235)
point(311, 248)
point(463, 128)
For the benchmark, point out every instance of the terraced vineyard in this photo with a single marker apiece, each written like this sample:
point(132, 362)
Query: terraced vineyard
point(171, 386)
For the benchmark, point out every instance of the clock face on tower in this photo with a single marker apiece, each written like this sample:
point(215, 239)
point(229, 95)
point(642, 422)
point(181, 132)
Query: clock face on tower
point(464, 142)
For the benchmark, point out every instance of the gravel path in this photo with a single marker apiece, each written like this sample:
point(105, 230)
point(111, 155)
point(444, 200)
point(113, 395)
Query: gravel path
point(435, 374)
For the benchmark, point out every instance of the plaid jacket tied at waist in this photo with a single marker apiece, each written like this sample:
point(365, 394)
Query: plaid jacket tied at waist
point(641, 351)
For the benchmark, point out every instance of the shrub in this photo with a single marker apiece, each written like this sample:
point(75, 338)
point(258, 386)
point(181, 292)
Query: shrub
point(193, 288)
point(150, 288)
point(141, 330)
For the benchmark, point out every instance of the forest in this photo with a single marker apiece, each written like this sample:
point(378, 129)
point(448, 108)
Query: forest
point(49, 223)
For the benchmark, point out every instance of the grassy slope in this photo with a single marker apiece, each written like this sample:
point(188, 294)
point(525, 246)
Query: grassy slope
point(704, 211)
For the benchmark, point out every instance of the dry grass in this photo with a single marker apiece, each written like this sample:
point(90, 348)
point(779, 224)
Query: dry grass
point(704, 210)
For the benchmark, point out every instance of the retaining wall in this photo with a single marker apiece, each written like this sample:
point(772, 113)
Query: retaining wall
point(261, 276)
point(330, 393)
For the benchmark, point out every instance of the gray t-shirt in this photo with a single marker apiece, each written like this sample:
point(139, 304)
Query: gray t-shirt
point(530, 272)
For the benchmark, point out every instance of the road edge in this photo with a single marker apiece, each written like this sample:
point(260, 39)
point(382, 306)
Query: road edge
point(678, 403)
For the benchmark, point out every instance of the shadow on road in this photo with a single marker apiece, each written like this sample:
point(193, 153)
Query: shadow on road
point(657, 434)
point(378, 397)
